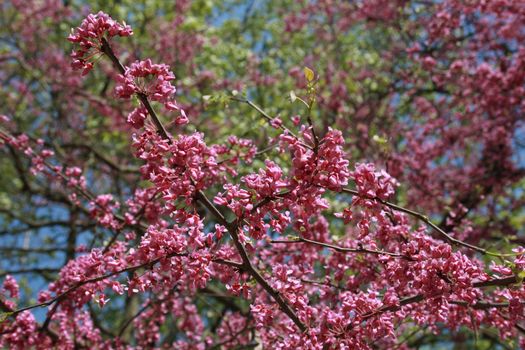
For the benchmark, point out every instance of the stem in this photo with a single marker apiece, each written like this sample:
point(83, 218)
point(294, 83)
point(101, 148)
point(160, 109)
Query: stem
point(341, 249)
point(269, 118)
point(310, 122)
point(427, 221)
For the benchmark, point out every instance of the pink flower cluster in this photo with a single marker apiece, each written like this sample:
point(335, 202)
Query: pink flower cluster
point(325, 167)
point(179, 168)
point(9, 290)
point(236, 198)
point(102, 209)
point(151, 80)
point(268, 182)
point(91, 265)
point(22, 333)
point(89, 37)
point(10, 285)
point(137, 117)
point(373, 184)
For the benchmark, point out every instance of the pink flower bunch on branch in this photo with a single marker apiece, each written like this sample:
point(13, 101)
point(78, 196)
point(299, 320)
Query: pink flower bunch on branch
point(89, 35)
point(153, 81)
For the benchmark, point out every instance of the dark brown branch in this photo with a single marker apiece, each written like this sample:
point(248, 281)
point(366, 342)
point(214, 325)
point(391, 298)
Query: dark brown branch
point(341, 249)
point(426, 220)
point(41, 270)
point(499, 282)
point(479, 305)
point(22, 250)
point(128, 322)
point(112, 164)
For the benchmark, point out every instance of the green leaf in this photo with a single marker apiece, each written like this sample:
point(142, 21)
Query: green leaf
point(379, 139)
point(293, 96)
point(4, 316)
point(520, 276)
point(309, 74)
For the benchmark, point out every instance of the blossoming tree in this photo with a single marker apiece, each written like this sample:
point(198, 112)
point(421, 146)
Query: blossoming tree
point(288, 175)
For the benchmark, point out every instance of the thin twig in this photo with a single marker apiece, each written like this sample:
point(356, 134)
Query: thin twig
point(270, 119)
point(427, 221)
point(341, 249)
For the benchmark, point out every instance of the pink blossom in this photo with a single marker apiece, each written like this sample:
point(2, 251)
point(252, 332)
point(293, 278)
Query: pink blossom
point(89, 35)
point(10, 285)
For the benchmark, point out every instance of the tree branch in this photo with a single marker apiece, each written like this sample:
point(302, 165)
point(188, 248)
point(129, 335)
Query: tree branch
point(341, 249)
point(200, 196)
